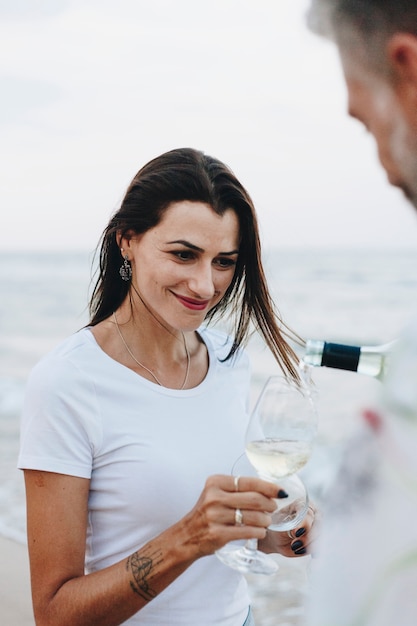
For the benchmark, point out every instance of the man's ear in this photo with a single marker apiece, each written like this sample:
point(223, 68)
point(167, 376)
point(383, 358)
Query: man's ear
point(402, 56)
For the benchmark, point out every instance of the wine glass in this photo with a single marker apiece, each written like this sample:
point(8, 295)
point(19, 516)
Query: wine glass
point(279, 440)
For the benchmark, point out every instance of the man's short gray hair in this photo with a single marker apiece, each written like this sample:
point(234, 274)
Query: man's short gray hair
point(366, 16)
point(365, 23)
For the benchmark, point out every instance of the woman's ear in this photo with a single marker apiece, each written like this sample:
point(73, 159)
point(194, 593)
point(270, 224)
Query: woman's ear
point(124, 241)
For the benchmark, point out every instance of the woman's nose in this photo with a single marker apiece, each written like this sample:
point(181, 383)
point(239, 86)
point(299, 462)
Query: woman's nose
point(201, 282)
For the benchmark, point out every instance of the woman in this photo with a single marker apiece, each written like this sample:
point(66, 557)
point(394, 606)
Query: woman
point(131, 426)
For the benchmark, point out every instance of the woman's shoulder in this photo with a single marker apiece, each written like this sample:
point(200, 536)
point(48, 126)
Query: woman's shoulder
point(220, 343)
point(216, 339)
point(67, 356)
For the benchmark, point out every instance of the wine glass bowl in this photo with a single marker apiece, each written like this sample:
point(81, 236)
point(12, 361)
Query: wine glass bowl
point(279, 438)
point(278, 443)
point(290, 510)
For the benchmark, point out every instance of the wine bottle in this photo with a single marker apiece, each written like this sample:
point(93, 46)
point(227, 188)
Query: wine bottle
point(369, 360)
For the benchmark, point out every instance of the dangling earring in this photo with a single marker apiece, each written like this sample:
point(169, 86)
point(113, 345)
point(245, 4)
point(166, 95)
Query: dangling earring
point(126, 269)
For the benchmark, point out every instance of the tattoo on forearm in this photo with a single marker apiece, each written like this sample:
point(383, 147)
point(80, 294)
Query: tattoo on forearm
point(141, 568)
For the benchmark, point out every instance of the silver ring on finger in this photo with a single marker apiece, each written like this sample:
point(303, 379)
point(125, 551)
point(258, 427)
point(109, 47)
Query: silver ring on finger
point(236, 482)
point(290, 535)
point(238, 517)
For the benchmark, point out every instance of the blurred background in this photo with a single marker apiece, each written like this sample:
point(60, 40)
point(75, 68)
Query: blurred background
point(92, 90)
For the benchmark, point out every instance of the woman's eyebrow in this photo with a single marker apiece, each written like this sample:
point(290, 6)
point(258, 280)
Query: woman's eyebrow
point(187, 244)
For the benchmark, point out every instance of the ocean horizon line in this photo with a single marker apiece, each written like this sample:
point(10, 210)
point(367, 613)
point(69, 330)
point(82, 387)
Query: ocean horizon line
point(265, 249)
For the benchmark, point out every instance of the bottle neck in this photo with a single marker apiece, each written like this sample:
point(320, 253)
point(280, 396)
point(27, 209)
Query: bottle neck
point(369, 360)
point(340, 356)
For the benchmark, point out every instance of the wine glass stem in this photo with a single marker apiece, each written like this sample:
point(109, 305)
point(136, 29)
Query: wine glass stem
point(251, 545)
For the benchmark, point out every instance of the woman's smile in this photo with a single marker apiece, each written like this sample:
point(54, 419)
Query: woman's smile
point(191, 303)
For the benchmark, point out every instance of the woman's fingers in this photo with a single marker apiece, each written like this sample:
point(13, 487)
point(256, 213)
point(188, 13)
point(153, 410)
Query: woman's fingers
point(295, 542)
point(246, 517)
point(230, 509)
point(245, 493)
point(302, 536)
point(239, 484)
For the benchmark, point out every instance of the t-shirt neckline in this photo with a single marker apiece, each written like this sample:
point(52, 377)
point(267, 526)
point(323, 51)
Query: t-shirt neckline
point(153, 385)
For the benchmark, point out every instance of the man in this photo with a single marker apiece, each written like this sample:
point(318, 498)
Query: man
point(366, 569)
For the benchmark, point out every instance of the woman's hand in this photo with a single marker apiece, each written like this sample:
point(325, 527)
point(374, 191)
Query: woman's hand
point(229, 508)
point(57, 513)
point(296, 542)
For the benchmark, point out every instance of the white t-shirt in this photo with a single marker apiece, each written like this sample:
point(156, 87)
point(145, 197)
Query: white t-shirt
point(148, 451)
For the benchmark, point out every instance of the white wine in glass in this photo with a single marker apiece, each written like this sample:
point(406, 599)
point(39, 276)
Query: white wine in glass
point(277, 458)
point(279, 441)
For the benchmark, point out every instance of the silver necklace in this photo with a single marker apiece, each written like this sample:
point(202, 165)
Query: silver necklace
point(147, 368)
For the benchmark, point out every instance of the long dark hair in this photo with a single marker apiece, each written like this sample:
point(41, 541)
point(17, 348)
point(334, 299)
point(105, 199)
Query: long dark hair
point(188, 174)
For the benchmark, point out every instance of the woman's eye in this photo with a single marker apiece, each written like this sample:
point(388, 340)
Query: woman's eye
point(225, 263)
point(183, 255)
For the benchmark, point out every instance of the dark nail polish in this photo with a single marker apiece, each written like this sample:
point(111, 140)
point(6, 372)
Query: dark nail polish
point(300, 532)
point(300, 551)
point(282, 494)
point(296, 545)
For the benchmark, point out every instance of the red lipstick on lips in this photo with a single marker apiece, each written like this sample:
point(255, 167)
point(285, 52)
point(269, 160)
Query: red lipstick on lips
point(190, 303)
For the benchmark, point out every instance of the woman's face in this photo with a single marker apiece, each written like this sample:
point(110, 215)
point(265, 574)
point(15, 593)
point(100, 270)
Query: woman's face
point(183, 266)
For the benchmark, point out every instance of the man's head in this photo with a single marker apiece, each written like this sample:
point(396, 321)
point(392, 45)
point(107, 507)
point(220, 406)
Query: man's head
point(377, 42)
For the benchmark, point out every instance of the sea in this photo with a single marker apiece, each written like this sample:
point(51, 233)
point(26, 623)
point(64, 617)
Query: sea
point(355, 296)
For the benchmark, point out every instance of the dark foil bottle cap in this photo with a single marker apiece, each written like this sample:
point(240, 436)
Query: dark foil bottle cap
point(340, 356)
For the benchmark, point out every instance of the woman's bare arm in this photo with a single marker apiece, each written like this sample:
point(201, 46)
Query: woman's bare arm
point(57, 523)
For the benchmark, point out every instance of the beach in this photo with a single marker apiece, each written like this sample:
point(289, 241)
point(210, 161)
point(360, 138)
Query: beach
point(15, 599)
point(353, 297)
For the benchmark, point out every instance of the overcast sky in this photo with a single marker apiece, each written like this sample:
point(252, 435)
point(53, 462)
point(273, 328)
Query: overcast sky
point(93, 89)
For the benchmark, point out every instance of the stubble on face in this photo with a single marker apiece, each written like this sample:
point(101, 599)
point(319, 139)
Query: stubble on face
point(377, 103)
